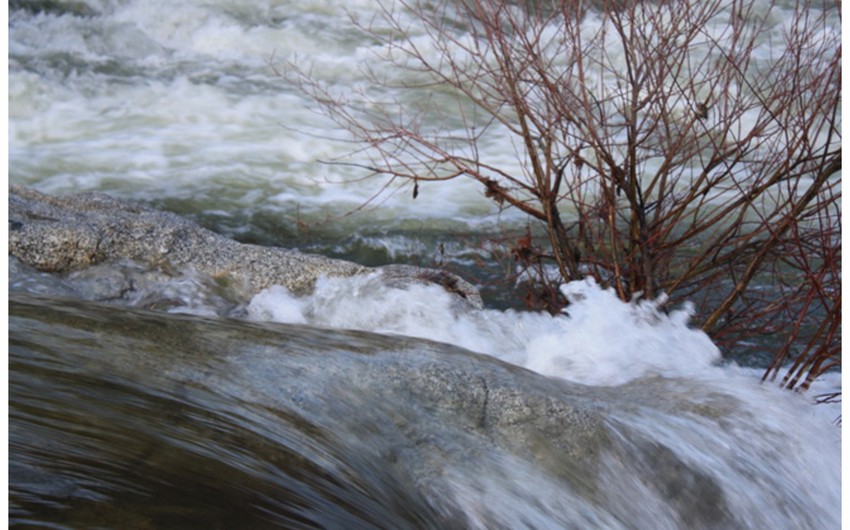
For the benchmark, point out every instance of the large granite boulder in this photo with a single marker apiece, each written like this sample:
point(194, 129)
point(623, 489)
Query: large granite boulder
point(62, 234)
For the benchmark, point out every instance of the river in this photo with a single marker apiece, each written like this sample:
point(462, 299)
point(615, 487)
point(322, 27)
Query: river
point(176, 105)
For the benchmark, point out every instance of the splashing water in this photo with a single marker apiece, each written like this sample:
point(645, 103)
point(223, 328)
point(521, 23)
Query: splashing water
point(175, 104)
point(599, 340)
point(448, 436)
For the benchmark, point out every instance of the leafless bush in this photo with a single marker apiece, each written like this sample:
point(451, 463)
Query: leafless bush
point(689, 147)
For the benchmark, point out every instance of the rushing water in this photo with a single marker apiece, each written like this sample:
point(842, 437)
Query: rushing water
point(176, 105)
point(145, 420)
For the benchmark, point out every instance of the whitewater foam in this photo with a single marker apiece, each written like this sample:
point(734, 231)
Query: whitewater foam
point(599, 340)
point(631, 347)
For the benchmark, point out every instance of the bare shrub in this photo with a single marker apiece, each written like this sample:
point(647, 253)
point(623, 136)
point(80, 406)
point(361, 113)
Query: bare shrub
point(688, 147)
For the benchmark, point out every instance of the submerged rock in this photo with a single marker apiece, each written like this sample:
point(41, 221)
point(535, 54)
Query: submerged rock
point(350, 418)
point(70, 233)
point(175, 421)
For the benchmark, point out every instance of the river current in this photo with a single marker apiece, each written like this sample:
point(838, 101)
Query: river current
point(176, 105)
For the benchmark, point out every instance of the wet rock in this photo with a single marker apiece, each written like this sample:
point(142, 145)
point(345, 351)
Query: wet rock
point(470, 436)
point(70, 233)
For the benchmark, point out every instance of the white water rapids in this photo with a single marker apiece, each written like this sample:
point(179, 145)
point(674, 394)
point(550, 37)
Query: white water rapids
point(175, 104)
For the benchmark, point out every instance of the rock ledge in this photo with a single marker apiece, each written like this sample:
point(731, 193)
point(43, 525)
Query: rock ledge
point(66, 233)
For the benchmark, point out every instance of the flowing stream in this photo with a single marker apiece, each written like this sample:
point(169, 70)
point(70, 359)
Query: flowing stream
point(362, 405)
point(136, 419)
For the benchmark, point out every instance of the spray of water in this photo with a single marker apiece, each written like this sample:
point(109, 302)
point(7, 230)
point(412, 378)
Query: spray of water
point(598, 340)
point(685, 403)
